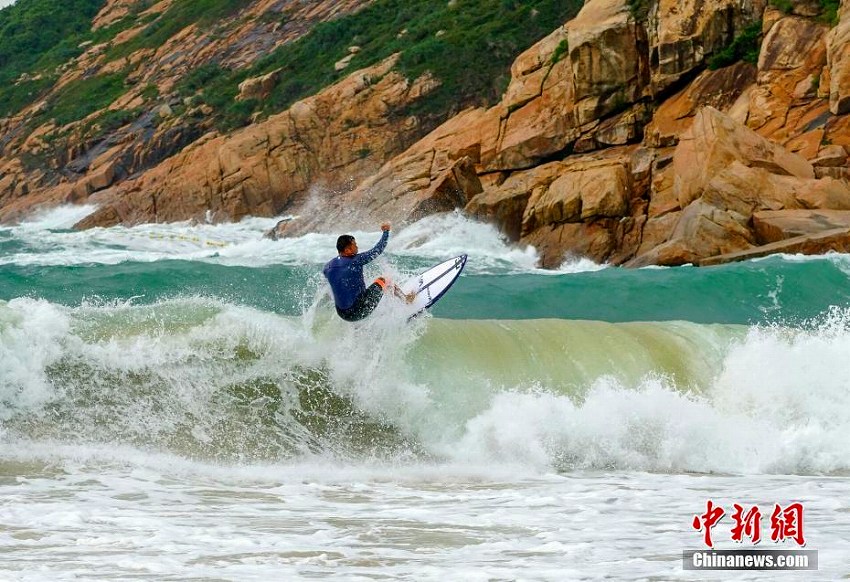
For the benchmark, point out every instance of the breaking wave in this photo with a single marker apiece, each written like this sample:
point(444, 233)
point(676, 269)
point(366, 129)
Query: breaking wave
point(210, 380)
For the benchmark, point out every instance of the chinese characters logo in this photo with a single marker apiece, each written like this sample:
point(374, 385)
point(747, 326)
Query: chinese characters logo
point(785, 523)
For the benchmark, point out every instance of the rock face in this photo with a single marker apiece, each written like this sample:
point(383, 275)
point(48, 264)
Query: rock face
point(715, 141)
point(839, 63)
point(784, 105)
point(584, 200)
point(722, 89)
point(775, 225)
point(563, 164)
point(724, 173)
point(607, 66)
point(687, 32)
point(268, 166)
point(50, 165)
point(613, 140)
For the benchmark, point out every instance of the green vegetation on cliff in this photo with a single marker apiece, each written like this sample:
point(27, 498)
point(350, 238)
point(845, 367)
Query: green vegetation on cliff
point(468, 45)
point(744, 47)
point(37, 36)
point(83, 97)
point(179, 15)
point(828, 9)
point(33, 29)
point(640, 9)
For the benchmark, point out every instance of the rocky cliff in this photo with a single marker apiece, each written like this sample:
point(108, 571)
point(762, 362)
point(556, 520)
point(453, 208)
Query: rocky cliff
point(636, 133)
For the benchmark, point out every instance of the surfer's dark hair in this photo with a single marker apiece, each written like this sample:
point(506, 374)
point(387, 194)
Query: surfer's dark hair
point(343, 241)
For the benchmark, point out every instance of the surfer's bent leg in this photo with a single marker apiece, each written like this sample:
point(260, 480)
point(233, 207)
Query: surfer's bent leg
point(365, 303)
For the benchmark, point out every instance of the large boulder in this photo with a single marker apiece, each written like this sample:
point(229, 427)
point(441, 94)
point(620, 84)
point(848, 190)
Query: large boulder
point(776, 225)
point(706, 230)
point(723, 173)
point(742, 207)
point(701, 230)
point(558, 203)
point(504, 204)
point(714, 141)
point(542, 126)
point(586, 190)
point(453, 188)
point(587, 206)
point(746, 190)
point(656, 231)
point(557, 242)
point(720, 89)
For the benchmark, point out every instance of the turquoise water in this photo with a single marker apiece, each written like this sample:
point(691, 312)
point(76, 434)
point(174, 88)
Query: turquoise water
point(771, 290)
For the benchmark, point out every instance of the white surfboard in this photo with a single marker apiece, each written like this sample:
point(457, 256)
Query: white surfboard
point(432, 284)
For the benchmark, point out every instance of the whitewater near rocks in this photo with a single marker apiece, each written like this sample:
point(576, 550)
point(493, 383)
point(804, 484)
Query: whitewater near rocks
point(186, 392)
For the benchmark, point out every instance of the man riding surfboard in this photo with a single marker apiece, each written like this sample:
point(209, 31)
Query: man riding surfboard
point(354, 301)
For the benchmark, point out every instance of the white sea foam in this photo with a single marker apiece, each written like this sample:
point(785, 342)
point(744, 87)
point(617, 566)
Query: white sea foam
point(780, 404)
point(100, 512)
point(48, 242)
point(452, 234)
point(59, 217)
point(776, 401)
point(578, 265)
point(32, 333)
point(46, 245)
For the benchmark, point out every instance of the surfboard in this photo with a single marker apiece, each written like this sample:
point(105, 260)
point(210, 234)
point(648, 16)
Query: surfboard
point(432, 284)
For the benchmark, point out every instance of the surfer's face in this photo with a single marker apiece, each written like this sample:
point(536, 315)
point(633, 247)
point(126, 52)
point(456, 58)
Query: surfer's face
point(350, 250)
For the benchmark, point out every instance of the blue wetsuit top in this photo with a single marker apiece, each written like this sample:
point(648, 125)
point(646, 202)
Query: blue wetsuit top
point(345, 274)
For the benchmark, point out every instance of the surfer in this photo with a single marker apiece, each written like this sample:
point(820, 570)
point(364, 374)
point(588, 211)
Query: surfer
point(354, 301)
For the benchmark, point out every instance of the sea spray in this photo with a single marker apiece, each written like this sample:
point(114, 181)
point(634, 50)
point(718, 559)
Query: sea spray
point(234, 263)
point(48, 242)
point(205, 379)
point(57, 218)
point(778, 404)
point(651, 428)
point(435, 238)
point(31, 335)
point(798, 382)
point(193, 376)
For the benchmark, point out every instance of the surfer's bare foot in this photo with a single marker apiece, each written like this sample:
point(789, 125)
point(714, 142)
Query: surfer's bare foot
point(409, 297)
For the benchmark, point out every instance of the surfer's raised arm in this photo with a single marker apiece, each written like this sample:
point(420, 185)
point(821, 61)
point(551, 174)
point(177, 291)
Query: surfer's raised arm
point(361, 259)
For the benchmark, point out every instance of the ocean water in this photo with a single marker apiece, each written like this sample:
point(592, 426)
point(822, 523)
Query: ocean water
point(180, 402)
